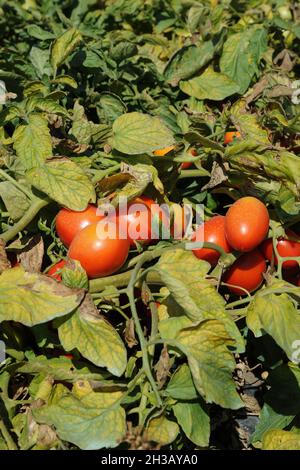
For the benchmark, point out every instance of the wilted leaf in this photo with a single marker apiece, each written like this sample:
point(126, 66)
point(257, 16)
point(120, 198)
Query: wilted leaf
point(31, 299)
point(31, 256)
point(92, 422)
point(63, 181)
point(4, 263)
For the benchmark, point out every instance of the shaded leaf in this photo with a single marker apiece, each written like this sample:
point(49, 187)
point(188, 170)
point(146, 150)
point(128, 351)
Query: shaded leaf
point(210, 85)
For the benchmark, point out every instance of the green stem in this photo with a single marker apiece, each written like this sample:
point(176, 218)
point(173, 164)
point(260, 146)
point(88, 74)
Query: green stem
point(119, 280)
point(34, 209)
point(18, 185)
point(8, 439)
point(236, 303)
point(142, 340)
point(191, 174)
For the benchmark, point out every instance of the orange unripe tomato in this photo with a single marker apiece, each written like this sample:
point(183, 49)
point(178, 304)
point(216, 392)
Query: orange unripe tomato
point(246, 223)
point(230, 136)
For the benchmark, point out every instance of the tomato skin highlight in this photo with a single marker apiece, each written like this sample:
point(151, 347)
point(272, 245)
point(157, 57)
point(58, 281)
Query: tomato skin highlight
point(69, 223)
point(230, 136)
point(246, 272)
point(186, 165)
point(100, 256)
point(214, 232)
point(246, 223)
point(285, 247)
point(53, 270)
point(163, 151)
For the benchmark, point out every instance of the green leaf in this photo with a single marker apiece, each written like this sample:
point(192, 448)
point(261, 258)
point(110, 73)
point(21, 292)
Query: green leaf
point(135, 133)
point(63, 46)
point(31, 299)
point(73, 275)
point(32, 141)
point(275, 439)
point(40, 60)
point(110, 107)
point(38, 33)
point(94, 338)
point(46, 105)
point(188, 61)
point(277, 316)
point(63, 181)
point(162, 430)
point(181, 385)
point(194, 420)
point(184, 275)
point(15, 200)
point(269, 419)
point(210, 361)
point(210, 85)
point(241, 55)
point(92, 422)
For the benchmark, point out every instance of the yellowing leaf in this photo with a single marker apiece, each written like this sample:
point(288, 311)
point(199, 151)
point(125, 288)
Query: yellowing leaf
point(162, 430)
point(65, 182)
point(135, 133)
point(94, 338)
point(63, 46)
point(92, 422)
point(277, 316)
point(34, 298)
point(32, 141)
point(276, 439)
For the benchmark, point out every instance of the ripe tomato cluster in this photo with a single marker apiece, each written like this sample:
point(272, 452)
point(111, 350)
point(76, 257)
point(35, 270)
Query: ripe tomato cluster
point(100, 254)
point(244, 229)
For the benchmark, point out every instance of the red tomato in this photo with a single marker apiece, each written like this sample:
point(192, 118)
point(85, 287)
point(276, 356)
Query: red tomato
point(231, 136)
point(138, 222)
point(186, 165)
point(68, 356)
point(99, 255)
point(69, 223)
point(214, 232)
point(246, 223)
point(53, 271)
point(286, 248)
point(246, 272)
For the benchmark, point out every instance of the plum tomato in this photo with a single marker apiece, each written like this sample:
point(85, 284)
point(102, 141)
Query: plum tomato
point(54, 271)
point(186, 165)
point(286, 247)
point(69, 223)
point(246, 223)
point(99, 254)
point(246, 272)
point(212, 231)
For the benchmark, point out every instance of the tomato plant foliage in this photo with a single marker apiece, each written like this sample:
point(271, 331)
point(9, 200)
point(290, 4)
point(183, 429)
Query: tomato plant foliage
point(131, 98)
